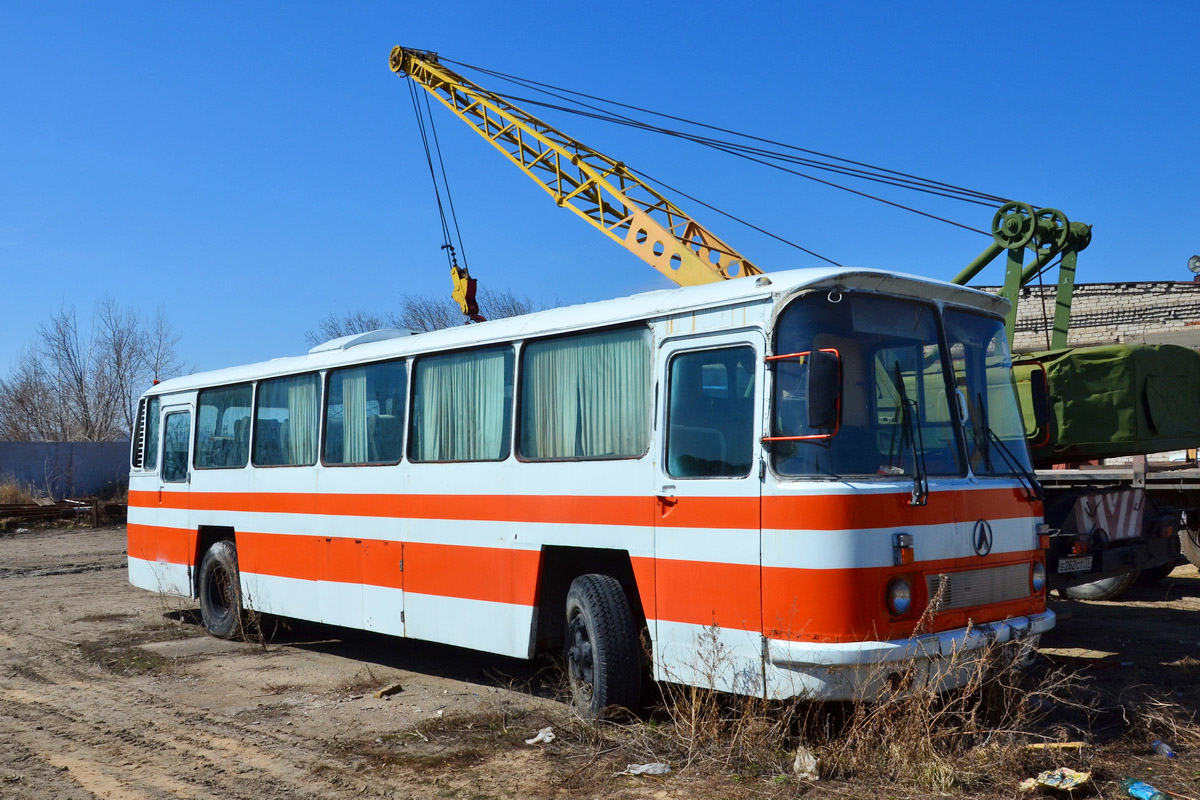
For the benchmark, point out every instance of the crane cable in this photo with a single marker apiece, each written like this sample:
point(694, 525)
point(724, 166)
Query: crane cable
point(422, 121)
point(868, 172)
point(622, 119)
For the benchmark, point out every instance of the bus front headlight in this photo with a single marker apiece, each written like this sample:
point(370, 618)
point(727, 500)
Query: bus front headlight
point(899, 597)
point(1037, 577)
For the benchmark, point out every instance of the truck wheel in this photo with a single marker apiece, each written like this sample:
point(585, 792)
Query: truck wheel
point(220, 591)
point(1152, 575)
point(1108, 588)
point(1189, 543)
point(601, 650)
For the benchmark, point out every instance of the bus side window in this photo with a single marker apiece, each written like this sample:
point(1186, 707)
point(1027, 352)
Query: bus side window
point(145, 435)
point(364, 407)
point(223, 429)
point(175, 447)
point(710, 418)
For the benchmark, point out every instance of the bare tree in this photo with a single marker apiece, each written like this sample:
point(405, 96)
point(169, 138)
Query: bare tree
point(419, 312)
point(68, 386)
point(160, 340)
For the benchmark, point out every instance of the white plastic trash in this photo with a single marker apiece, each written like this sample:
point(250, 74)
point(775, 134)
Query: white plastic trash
point(546, 734)
point(657, 768)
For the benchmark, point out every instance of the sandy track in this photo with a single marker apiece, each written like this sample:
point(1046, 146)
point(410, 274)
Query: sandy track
point(113, 692)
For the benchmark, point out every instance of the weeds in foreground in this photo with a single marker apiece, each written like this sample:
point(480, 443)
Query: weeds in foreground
point(12, 493)
point(913, 734)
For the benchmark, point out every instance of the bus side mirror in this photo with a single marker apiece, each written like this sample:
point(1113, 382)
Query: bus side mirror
point(823, 388)
point(1039, 390)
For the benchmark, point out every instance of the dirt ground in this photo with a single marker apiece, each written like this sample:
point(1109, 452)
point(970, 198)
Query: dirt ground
point(113, 692)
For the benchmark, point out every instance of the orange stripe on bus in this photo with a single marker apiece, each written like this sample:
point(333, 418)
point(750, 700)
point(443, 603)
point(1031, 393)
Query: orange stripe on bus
point(578, 510)
point(851, 604)
point(499, 575)
point(155, 543)
point(707, 593)
point(821, 605)
point(864, 510)
point(804, 512)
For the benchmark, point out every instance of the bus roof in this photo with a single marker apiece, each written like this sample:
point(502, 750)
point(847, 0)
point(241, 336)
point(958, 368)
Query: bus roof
point(564, 319)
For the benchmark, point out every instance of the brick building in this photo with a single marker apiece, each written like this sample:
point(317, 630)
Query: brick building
point(1153, 312)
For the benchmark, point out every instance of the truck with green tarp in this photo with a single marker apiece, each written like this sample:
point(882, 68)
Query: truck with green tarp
point(1109, 524)
point(1115, 522)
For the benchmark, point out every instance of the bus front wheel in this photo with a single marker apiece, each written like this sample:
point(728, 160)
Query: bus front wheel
point(601, 650)
point(220, 591)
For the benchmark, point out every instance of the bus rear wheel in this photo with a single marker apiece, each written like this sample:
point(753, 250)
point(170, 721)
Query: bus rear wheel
point(220, 591)
point(601, 650)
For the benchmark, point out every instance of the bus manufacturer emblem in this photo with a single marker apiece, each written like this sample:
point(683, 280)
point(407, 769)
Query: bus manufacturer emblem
point(982, 537)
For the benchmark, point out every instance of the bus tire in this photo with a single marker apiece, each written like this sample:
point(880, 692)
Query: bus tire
point(1189, 544)
point(601, 648)
point(1108, 588)
point(220, 591)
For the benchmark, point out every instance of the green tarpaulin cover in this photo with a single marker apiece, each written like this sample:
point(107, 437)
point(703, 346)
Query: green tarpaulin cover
point(1113, 400)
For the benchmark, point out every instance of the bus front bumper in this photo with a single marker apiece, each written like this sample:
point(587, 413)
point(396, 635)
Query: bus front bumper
point(864, 670)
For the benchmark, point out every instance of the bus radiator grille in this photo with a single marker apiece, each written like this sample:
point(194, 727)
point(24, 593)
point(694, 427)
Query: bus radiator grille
point(978, 587)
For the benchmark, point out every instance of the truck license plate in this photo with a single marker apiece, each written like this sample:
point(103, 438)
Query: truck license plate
point(1074, 564)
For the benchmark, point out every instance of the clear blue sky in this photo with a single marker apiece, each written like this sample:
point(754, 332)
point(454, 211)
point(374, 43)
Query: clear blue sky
point(253, 167)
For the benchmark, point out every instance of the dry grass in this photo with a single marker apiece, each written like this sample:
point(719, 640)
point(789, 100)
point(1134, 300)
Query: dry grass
point(12, 493)
point(912, 741)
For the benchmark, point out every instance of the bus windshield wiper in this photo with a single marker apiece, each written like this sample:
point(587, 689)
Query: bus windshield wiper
point(1016, 467)
point(916, 440)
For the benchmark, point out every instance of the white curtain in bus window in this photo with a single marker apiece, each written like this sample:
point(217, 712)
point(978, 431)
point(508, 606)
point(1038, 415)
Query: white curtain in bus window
point(223, 427)
point(285, 424)
point(364, 413)
point(586, 396)
point(461, 406)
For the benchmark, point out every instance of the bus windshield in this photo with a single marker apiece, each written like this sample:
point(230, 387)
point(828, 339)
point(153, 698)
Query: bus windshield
point(983, 373)
point(896, 401)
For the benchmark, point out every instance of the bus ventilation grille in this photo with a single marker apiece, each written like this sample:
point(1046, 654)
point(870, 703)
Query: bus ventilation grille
point(979, 587)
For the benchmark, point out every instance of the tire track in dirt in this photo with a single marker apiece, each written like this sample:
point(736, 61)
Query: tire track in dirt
point(147, 751)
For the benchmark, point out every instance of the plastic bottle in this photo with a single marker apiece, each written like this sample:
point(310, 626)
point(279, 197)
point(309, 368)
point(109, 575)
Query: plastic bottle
point(1142, 791)
point(1162, 748)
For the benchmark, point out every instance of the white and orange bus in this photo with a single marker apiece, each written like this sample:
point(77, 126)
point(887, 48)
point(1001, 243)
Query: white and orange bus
point(760, 483)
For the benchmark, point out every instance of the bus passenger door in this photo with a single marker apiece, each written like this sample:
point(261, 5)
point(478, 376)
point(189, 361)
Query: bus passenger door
point(708, 608)
point(178, 547)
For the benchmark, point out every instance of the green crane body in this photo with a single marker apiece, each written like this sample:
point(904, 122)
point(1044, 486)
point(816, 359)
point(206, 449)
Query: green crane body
point(1090, 402)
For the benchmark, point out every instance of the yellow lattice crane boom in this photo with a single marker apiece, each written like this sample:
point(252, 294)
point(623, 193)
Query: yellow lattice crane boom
point(600, 190)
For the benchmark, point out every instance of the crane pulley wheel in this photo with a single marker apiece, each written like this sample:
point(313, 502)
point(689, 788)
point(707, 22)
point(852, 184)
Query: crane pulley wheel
point(1053, 230)
point(1014, 225)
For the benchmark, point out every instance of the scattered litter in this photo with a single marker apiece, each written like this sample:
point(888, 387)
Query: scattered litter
point(1162, 748)
point(440, 712)
point(805, 766)
point(388, 691)
point(656, 768)
point(545, 735)
point(1063, 778)
point(1056, 746)
point(1141, 790)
